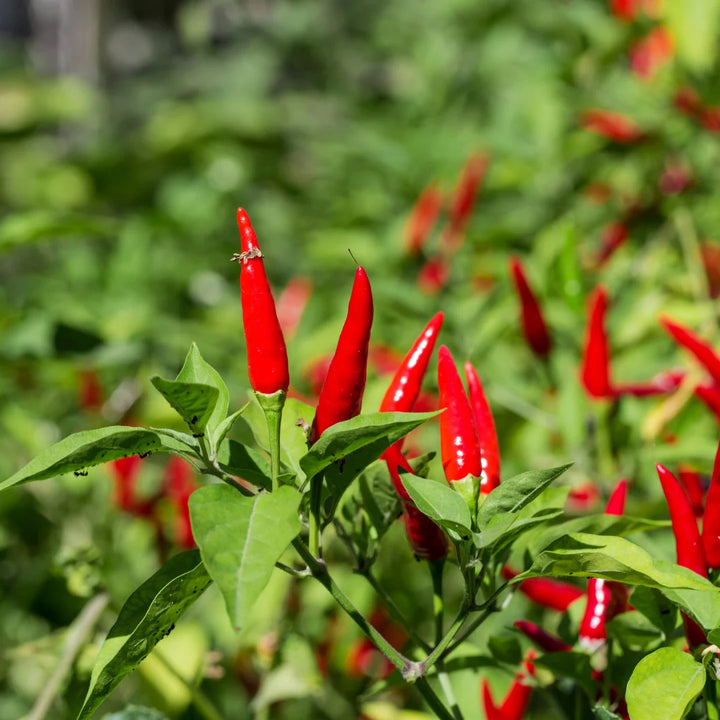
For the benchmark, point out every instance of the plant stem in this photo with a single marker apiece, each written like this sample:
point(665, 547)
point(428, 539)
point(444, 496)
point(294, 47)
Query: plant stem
point(274, 418)
point(320, 572)
point(449, 636)
point(433, 700)
point(314, 520)
point(436, 573)
point(77, 633)
point(201, 701)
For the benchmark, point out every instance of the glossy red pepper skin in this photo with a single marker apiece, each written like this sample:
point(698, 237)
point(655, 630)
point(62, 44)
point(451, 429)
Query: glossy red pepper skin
point(516, 700)
point(711, 518)
point(700, 348)
point(267, 355)
point(605, 599)
point(549, 593)
point(595, 369)
point(405, 386)
point(691, 480)
point(487, 435)
point(342, 392)
point(544, 640)
point(532, 319)
point(688, 543)
point(459, 445)
point(422, 218)
point(426, 539)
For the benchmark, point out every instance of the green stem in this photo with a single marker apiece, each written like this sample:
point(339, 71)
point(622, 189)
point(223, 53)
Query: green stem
point(436, 573)
point(274, 418)
point(711, 699)
point(319, 570)
point(433, 700)
point(314, 521)
point(448, 638)
point(488, 609)
point(393, 609)
point(201, 701)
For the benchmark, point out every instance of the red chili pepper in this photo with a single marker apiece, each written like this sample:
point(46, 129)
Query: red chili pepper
point(711, 518)
point(664, 382)
point(595, 370)
point(405, 386)
point(422, 218)
point(675, 179)
point(700, 348)
point(693, 484)
point(342, 392)
point(433, 275)
point(710, 118)
point(487, 436)
point(179, 484)
point(687, 101)
point(90, 392)
point(614, 236)
point(463, 200)
point(384, 359)
point(534, 326)
point(125, 471)
point(650, 53)
point(709, 393)
point(710, 255)
point(267, 355)
point(549, 593)
point(544, 640)
point(688, 543)
point(583, 497)
point(624, 10)
point(291, 304)
point(459, 446)
point(605, 599)
point(516, 700)
point(612, 126)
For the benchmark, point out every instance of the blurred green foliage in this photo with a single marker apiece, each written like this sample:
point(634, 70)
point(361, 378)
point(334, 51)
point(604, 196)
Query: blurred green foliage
point(325, 121)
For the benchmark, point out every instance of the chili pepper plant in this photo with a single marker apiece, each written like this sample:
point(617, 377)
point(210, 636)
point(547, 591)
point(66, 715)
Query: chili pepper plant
point(291, 489)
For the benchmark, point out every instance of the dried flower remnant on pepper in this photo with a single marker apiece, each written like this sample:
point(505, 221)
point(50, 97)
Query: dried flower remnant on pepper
point(342, 392)
point(267, 355)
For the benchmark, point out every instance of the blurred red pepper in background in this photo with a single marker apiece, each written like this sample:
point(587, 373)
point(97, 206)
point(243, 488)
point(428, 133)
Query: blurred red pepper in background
point(650, 53)
point(611, 125)
point(532, 319)
point(422, 218)
point(463, 200)
point(291, 304)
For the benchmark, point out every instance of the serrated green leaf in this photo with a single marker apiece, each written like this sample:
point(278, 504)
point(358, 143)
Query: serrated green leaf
point(664, 684)
point(614, 558)
point(439, 502)
point(241, 538)
point(194, 402)
point(147, 616)
point(86, 449)
point(514, 494)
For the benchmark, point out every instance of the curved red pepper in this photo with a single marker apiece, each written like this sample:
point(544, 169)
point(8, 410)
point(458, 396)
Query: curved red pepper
point(549, 593)
point(711, 518)
point(605, 599)
point(709, 393)
point(405, 386)
point(267, 355)
point(487, 436)
point(544, 640)
point(700, 348)
point(459, 446)
point(688, 544)
point(516, 700)
point(463, 200)
point(342, 392)
point(422, 218)
point(533, 322)
point(595, 369)
point(693, 484)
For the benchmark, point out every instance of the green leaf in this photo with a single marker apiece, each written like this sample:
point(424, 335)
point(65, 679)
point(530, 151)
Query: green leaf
point(694, 25)
point(512, 495)
point(226, 425)
point(86, 449)
point(656, 608)
point(194, 403)
point(241, 538)
point(439, 502)
point(135, 712)
point(360, 440)
point(573, 665)
point(602, 713)
point(634, 631)
point(665, 684)
point(614, 558)
point(244, 462)
point(147, 616)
